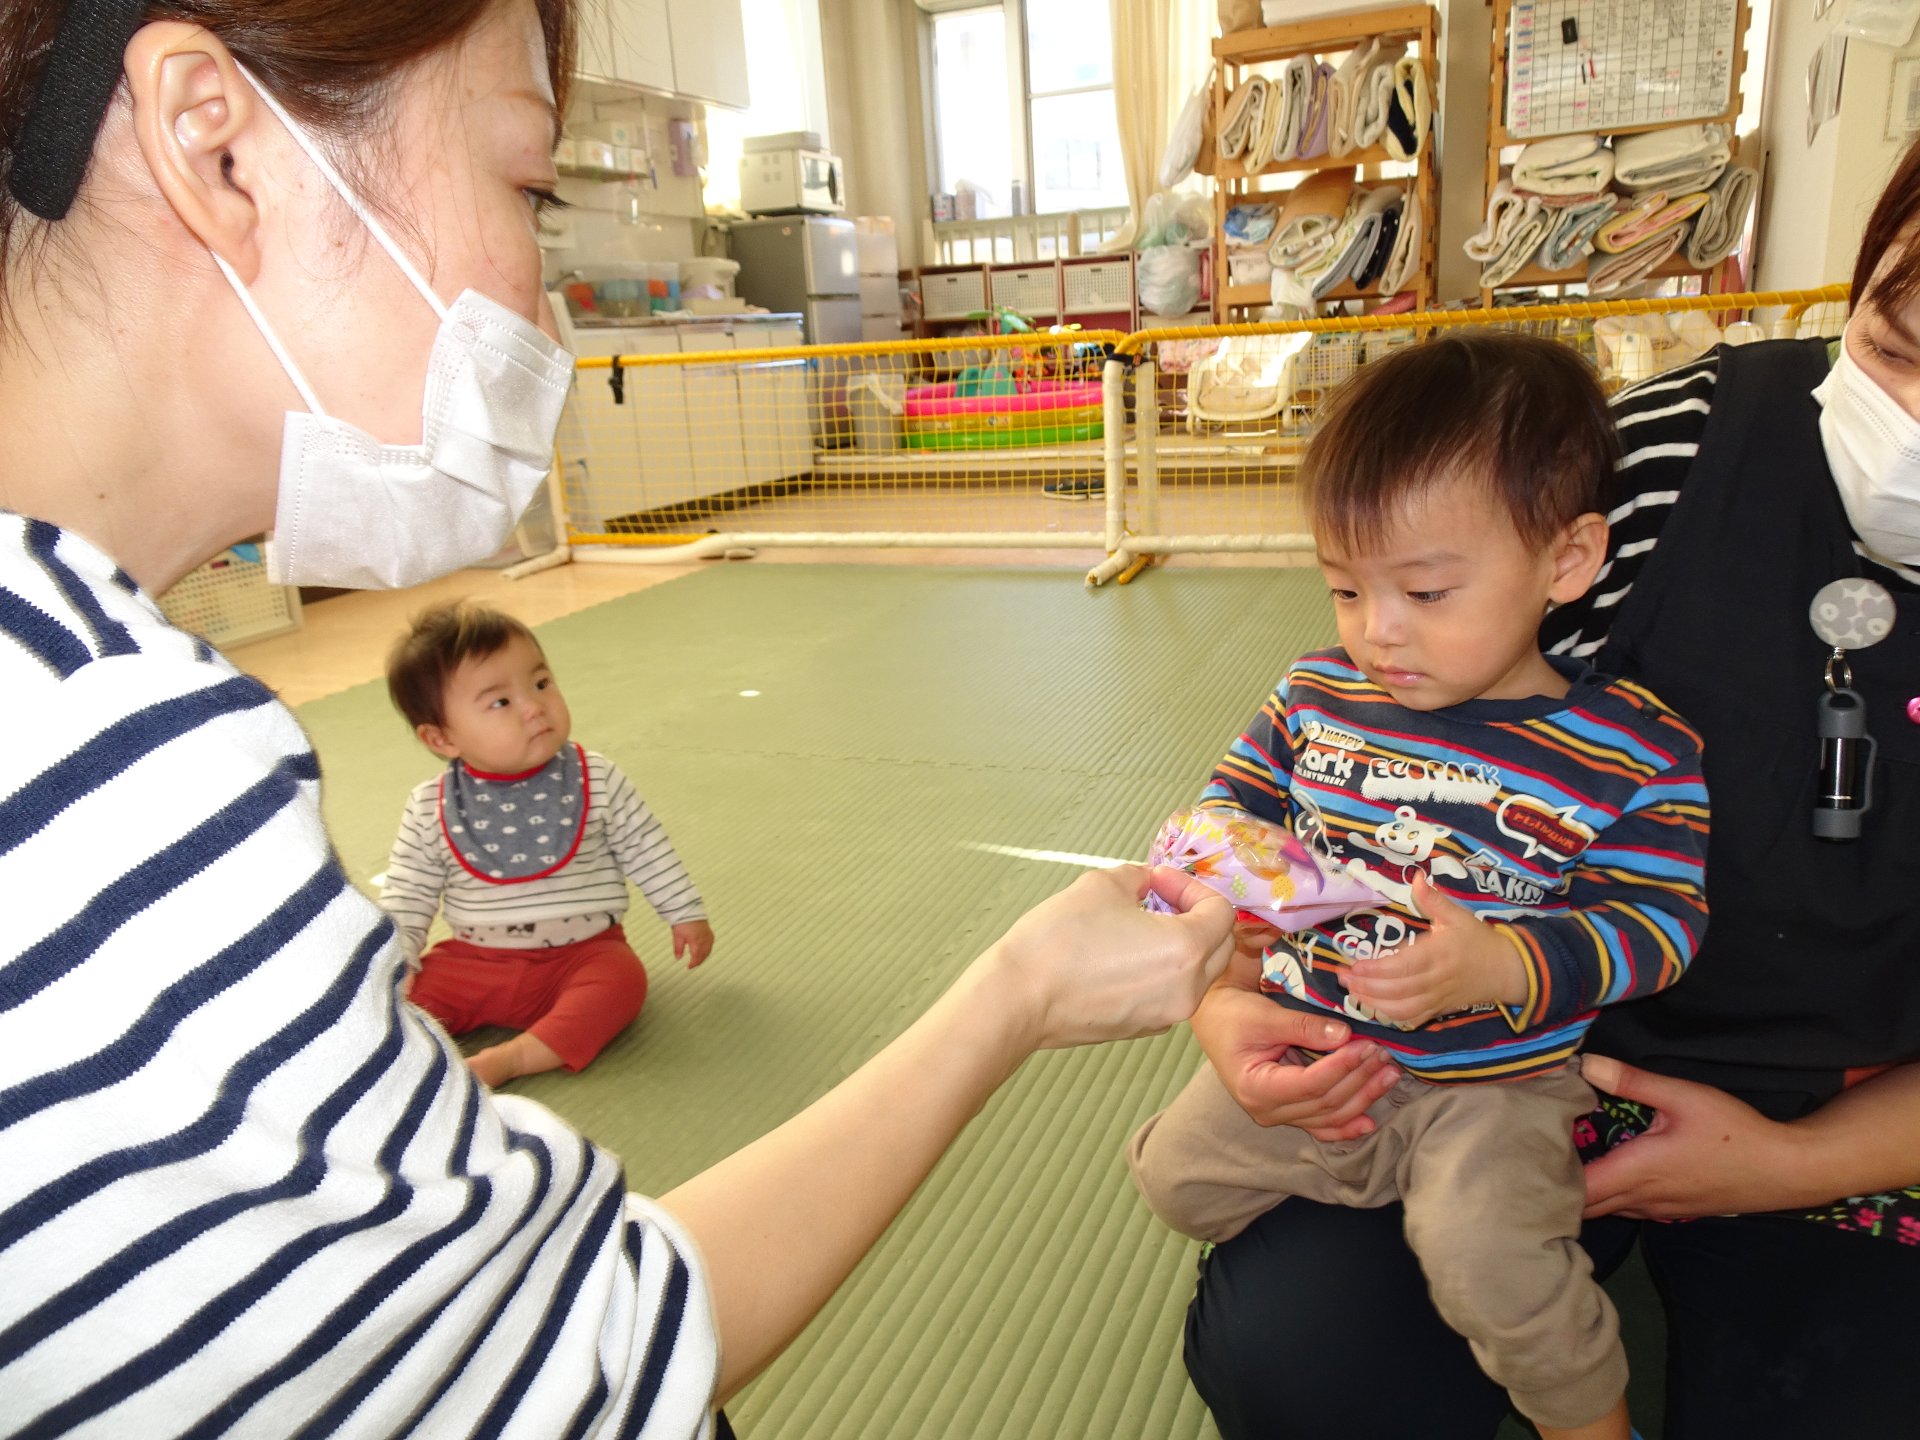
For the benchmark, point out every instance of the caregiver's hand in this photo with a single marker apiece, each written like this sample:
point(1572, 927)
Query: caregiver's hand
point(1088, 964)
point(1706, 1153)
point(1092, 965)
point(1250, 1042)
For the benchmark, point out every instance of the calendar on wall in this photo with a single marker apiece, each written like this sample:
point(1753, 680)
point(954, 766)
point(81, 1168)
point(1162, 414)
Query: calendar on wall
point(1575, 66)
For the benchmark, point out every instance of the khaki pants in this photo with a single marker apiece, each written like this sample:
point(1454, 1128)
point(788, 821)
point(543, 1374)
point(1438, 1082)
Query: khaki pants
point(1492, 1190)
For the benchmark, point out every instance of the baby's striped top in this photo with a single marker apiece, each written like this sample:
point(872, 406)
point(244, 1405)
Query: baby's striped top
point(1577, 823)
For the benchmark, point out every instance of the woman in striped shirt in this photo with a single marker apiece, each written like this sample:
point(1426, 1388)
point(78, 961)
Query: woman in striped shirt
point(243, 1187)
point(1774, 1098)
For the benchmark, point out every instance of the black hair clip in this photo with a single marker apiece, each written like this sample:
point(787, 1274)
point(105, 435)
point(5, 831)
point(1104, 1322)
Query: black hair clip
point(89, 52)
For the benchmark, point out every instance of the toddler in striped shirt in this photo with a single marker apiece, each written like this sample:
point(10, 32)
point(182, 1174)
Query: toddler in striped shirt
point(527, 841)
point(1534, 835)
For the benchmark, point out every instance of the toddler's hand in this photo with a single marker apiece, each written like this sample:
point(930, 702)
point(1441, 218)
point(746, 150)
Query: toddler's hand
point(1461, 962)
point(693, 939)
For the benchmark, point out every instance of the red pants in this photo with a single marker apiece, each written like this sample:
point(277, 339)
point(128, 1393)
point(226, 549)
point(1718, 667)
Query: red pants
point(572, 998)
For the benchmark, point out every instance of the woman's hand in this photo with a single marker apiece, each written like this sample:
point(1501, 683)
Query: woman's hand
point(1250, 1042)
point(1092, 965)
point(1706, 1153)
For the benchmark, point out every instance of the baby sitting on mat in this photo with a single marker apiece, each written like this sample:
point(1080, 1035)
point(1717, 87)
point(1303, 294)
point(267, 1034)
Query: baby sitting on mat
point(528, 840)
point(1532, 835)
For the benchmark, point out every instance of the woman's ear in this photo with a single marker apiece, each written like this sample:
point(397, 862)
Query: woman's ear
point(1577, 557)
point(197, 123)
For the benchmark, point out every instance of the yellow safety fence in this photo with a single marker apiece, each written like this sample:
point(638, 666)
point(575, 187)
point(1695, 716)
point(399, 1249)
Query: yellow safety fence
point(1132, 447)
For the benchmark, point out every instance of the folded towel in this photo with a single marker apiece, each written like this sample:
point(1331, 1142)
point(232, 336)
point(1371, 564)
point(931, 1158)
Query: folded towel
point(1640, 217)
point(1260, 144)
point(1310, 218)
point(1607, 273)
point(1523, 243)
point(1354, 243)
point(1571, 202)
point(1574, 226)
point(1722, 218)
point(1245, 107)
point(1505, 212)
point(1251, 224)
point(1368, 270)
point(1296, 94)
point(1678, 161)
point(1403, 264)
point(1343, 97)
point(1568, 165)
point(1412, 112)
point(1314, 143)
point(1373, 100)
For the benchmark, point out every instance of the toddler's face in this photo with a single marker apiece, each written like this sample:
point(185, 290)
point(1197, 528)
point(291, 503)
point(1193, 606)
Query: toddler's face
point(1447, 607)
point(503, 714)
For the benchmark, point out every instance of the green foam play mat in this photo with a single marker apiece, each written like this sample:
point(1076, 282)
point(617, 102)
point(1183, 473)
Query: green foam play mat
point(869, 771)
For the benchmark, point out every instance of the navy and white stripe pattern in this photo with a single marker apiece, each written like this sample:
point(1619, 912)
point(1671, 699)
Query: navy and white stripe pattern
point(1660, 422)
point(623, 840)
point(243, 1188)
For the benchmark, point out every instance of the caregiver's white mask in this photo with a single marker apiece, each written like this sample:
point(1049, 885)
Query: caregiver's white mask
point(355, 513)
point(1873, 449)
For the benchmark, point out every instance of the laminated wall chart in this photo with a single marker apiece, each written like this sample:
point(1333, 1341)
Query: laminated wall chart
point(1578, 66)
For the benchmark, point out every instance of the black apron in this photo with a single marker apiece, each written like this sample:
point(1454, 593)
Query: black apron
point(1811, 962)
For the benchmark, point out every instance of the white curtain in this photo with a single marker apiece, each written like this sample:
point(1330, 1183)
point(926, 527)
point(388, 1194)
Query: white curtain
point(1161, 50)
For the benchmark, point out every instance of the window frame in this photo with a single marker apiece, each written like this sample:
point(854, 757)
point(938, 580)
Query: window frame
point(1020, 98)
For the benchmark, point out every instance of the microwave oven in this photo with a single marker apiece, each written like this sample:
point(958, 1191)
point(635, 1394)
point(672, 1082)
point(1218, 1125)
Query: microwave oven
point(791, 182)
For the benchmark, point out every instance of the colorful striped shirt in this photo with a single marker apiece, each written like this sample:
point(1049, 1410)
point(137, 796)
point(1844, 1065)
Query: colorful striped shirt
point(243, 1187)
point(1577, 823)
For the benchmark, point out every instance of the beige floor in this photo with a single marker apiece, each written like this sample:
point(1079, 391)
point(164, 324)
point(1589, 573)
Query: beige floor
point(343, 641)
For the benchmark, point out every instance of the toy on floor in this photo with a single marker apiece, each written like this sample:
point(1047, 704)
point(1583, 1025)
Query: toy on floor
point(1264, 869)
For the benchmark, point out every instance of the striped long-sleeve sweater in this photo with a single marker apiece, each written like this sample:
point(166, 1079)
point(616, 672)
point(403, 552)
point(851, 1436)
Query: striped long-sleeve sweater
point(244, 1189)
point(621, 840)
point(1579, 823)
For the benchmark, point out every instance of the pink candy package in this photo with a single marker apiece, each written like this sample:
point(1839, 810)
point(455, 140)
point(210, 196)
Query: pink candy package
point(1264, 869)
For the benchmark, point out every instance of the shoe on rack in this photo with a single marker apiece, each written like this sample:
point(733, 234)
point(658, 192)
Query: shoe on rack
point(1075, 487)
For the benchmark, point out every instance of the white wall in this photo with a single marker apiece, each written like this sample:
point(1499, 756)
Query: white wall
point(1466, 40)
point(1818, 195)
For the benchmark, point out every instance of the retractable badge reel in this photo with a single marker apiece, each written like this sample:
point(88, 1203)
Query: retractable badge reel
point(1848, 615)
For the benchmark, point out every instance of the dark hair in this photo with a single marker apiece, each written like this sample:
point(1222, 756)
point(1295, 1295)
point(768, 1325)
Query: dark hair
point(1894, 215)
point(332, 63)
point(1523, 416)
point(438, 642)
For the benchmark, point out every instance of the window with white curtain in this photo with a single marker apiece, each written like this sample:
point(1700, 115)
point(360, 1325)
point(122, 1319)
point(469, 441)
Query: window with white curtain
point(1073, 137)
point(972, 119)
point(1060, 141)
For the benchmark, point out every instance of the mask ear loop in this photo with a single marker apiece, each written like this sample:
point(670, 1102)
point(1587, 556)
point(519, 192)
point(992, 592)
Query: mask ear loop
point(273, 341)
point(346, 193)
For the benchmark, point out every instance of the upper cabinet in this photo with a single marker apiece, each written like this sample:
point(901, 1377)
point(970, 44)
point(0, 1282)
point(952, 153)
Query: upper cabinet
point(696, 48)
point(710, 50)
point(643, 42)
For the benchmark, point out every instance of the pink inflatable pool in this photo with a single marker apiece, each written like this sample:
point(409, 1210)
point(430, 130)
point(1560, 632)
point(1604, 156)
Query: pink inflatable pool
point(1048, 412)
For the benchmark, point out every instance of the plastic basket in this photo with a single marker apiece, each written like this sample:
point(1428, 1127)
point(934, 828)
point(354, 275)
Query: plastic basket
point(1028, 289)
point(229, 601)
point(953, 295)
point(1098, 287)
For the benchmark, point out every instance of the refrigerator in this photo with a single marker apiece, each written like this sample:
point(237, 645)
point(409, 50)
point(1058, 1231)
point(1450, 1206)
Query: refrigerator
point(806, 265)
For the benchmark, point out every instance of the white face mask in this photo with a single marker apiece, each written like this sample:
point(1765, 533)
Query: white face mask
point(1873, 449)
point(355, 513)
